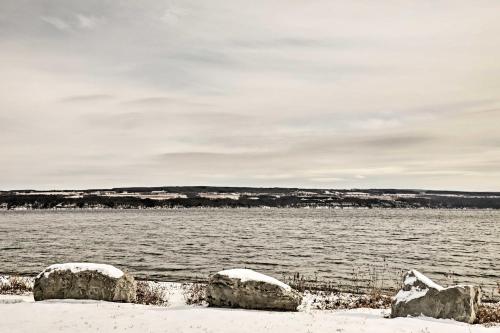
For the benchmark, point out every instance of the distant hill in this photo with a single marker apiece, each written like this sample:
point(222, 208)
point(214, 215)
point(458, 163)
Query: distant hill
point(211, 196)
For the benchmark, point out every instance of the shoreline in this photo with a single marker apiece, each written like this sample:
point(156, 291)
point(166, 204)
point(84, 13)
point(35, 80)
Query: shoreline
point(246, 197)
point(362, 291)
point(72, 209)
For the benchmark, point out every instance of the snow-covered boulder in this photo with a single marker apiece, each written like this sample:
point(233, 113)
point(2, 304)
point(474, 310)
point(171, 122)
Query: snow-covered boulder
point(247, 289)
point(84, 281)
point(421, 296)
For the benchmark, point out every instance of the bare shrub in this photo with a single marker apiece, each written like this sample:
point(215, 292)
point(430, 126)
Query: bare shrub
point(16, 285)
point(150, 293)
point(195, 293)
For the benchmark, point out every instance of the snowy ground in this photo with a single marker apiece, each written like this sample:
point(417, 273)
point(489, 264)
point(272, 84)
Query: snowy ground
point(22, 314)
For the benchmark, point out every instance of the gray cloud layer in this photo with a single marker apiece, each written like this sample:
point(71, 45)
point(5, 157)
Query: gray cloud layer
point(282, 93)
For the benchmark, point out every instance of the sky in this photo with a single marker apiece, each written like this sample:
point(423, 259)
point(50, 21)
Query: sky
point(323, 94)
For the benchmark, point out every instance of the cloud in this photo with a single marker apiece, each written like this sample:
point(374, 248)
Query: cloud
point(303, 43)
point(391, 141)
point(57, 23)
point(172, 15)
point(151, 101)
point(87, 22)
point(87, 98)
point(214, 156)
point(162, 101)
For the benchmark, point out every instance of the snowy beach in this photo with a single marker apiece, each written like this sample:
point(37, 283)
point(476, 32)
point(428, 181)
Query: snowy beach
point(182, 313)
point(22, 314)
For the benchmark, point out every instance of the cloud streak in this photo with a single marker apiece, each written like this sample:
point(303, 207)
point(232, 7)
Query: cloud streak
point(86, 98)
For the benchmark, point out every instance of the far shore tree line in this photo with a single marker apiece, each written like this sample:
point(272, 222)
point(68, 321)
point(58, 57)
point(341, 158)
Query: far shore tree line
point(45, 201)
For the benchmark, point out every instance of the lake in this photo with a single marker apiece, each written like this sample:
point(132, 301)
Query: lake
point(187, 244)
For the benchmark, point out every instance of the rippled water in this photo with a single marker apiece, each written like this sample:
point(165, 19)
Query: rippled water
point(188, 243)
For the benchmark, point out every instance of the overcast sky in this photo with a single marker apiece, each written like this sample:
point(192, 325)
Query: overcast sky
point(330, 94)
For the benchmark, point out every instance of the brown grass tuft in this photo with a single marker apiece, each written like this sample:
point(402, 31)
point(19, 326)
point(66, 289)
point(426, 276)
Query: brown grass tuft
point(488, 314)
point(16, 285)
point(150, 294)
point(195, 293)
point(320, 300)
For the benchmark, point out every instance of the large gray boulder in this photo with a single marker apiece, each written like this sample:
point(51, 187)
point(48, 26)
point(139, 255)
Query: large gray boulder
point(84, 281)
point(247, 289)
point(421, 296)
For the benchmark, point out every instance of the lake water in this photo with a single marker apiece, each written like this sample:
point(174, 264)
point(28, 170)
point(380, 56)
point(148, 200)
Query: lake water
point(186, 244)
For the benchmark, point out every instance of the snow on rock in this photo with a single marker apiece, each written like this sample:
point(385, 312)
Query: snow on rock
point(415, 276)
point(249, 275)
point(247, 289)
point(85, 281)
point(406, 296)
point(104, 269)
point(415, 285)
point(421, 296)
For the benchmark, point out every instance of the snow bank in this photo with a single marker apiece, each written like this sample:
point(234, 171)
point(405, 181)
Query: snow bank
point(22, 314)
point(104, 269)
point(250, 275)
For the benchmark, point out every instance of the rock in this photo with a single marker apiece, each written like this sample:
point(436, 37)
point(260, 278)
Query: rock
point(421, 296)
point(84, 281)
point(247, 289)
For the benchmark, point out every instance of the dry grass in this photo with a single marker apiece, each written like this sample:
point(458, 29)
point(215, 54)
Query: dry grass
point(377, 300)
point(301, 283)
point(321, 300)
point(151, 294)
point(369, 288)
point(371, 279)
point(492, 294)
point(16, 285)
point(195, 293)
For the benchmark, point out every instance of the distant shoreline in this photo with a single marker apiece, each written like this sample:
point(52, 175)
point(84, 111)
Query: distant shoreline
point(245, 197)
point(21, 209)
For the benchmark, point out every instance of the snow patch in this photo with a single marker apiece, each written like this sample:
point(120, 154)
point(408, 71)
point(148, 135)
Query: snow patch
point(419, 276)
point(249, 275)
point(406, 296)
point(415, 291)
point(104, 269)
point(4, 280)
